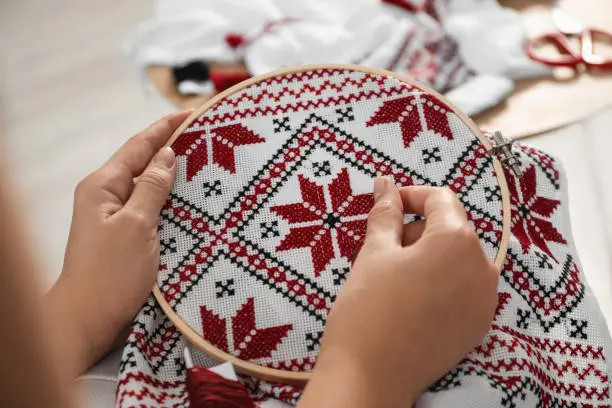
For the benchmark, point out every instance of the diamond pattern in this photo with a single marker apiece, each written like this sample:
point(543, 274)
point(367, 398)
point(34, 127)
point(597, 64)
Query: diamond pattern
point(288, 165)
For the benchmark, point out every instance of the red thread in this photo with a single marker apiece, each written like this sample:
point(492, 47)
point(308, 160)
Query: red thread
point(235, 40)
point(428, 7)
point(402, 49)
point(225, 80)
point(208, 389)
point(404, 5)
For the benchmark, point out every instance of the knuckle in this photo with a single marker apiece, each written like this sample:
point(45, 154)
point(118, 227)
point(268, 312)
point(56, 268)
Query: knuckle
point(138, 219)
point(370, 244)
point(463, 234)
point(81, 187)
point(85, 186)
point(98, 180)
point(161, 126)
point(165, 125)
point(467, 234)
point(447, 196)
point(445, 193)
point(157, 178)
point(382, 208)
point(143, 141)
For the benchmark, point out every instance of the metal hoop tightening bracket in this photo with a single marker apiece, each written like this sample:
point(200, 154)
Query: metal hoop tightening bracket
point(503, 151)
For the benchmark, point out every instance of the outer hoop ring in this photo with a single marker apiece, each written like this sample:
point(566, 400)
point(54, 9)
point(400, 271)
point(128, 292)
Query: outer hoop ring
point(300, 378)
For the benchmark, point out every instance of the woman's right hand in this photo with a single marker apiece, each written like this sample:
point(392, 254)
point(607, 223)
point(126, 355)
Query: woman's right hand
point(418, 299)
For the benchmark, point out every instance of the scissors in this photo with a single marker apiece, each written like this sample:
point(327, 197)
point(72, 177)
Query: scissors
point(569, 55)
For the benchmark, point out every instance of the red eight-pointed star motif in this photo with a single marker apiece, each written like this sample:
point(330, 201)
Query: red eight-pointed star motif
point(331, 228)
point(529, 211)
point(223, 140)
point(405, 111)
point(249, 342)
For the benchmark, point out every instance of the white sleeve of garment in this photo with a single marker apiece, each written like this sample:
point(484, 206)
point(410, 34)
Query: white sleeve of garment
point(480, 93)
point(491, 39)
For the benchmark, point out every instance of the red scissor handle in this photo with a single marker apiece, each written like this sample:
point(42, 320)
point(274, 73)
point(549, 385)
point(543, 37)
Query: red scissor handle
point(568, 56)
point(587, 38)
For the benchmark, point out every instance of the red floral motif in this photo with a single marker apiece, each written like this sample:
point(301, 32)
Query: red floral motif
point(331, 229)
point(404, 110)
point(249, 342)
point(223, 141)
point(529, 213)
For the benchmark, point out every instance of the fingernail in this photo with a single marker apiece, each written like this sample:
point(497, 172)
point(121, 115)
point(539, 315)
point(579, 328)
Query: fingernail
point(173, 115)
point(380, 186)
point(165, 157)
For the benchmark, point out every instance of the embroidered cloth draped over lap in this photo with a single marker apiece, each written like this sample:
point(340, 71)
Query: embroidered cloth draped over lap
point(270, 204)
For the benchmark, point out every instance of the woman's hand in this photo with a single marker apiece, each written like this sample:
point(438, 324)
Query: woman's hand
point(113, 249)
point(418, 299)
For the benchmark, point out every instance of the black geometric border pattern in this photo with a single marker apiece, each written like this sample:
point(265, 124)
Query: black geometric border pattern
point(155, 330)
point(527, 285)
point(558, 370)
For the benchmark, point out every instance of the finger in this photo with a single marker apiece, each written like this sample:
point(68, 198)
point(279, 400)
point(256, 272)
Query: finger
point(412, 232)
point(153, 186)
point(386, 219)
point(132, 158)
point(137, 152)
point(439, 206)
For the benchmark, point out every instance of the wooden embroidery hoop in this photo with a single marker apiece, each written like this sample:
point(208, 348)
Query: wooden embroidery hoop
point(293, 377)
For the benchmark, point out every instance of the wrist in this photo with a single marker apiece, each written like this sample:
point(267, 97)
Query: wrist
point(344, 379)
point(73, 315)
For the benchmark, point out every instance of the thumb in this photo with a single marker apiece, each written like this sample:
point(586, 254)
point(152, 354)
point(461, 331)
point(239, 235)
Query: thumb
point(386, 219)
point(154, 185)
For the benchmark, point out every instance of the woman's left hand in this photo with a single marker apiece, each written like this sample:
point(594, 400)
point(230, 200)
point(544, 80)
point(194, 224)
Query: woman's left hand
point(113, 249)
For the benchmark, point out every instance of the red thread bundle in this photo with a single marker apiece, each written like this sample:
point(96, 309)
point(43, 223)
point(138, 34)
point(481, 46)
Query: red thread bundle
point(208, 389)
